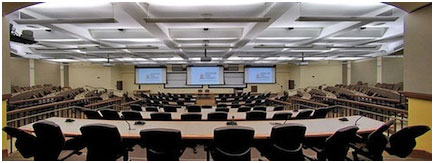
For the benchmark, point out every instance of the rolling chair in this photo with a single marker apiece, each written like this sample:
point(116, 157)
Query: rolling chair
point(256, 115)
point(161, 116)
point(222, 109)
point(244, 109)
point(303, 114)
point(169, 109)
point(261, 108)
point(103, 142)
point(282, 116)
point(151, 109)
point(110, 114)
point(136, 107)
point(320, 113)
point(191, 117)
point(131, 115)
point(278, 108)
point(217, 116)
point(162, 144)
point(232, 143)
point(92, 114)
point(402, 143)
point(25, 143)
point(193, 108)
point(285, 143)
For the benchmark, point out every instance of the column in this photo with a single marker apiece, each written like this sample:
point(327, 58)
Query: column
point(379, 69)
point(32, 72)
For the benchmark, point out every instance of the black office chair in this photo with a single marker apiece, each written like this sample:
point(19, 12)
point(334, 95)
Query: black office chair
point(162, 144)
point(206, 107)
point(169, 109)
point(244, 109)
point(261, 108)
point(136, 107)
point(235, 105)
point(131, 115)
point(402, 143)
point(92, 114)
point(110, 114)
point(161, 116)
point(320, 113)
point(278, 108)
point(336, 146)
point(217, 116)
point(256, 115)
point(372, 148)
point(25, 143)
point(50, 142)
point(222, 105)
point(181, 103)
point(191, 117)
point(222, 109)
point(103, 142)
point(151, 109)
point(282, 116)
point(232, 143)
point(193, 108)
point(285, 143)
point(303, 114)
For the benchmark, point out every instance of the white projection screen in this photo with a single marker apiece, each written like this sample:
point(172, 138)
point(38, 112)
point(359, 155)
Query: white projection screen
point(205, 75)
point(150, 75)
point(259, 75)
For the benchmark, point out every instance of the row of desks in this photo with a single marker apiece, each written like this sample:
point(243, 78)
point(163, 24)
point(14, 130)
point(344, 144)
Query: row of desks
point(204, 130)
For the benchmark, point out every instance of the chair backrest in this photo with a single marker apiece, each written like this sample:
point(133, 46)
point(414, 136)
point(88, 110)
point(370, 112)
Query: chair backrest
point(287, 141)
point(337, 145)
point(25, 143)
point(262, 108)
point(282, 116)
point(222, 109)
point(218, 116)
point(244, 109)
point(377, 141)
point(169, 109)
point(49, 140)
point(92, 114)
point(132, 115)
point(110, 114)
point(103, 142)
point(161, 144)
point(320, 113)
point(303, 114)
point(151, 109)
point(256, 115)
point(136, 107)
point(235, 105)
point(191, 117)
point(278, 108)
point(222, 105)
point(206, 106)
point(233, 142)
point(193, 108)
point(403, 142)
point(161, 116)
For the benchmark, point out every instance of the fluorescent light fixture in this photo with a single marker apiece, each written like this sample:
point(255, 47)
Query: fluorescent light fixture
point(207, 20)
point(201, 3)
point(308, 50)
point(102, 51)
point(243, 58)
point(279, 58)
point(282, 38)
point(69, 4)
point(312, 58)
point(279, 46)
point(59, 40)
point(346, 18)
point(131, 59)
point(351, 38)
point(168, 59)
point(67, 21)
point(347, 58)
point(63, 60)
point(352, 3)
point(97, 59)
point(264, 61)
point(123, 48)
point(137, 63)
point(211, 39)
point(198, 59)
point(131, 39)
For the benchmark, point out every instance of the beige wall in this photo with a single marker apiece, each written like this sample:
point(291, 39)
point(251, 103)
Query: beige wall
point(393, 70)
point(20, 67)
point(6, 80)
point(47, 72)
point(82, 74)
point(418, 51)
point(365, 71)
point(315, 74)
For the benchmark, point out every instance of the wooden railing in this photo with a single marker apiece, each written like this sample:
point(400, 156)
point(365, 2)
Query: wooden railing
point(286, 105)
point(378, 100)
point(24, 116)
point(299, 103)
point(115, 102)
point(32, 102)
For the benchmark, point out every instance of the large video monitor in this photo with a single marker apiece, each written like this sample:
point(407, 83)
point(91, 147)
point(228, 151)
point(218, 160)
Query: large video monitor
point(205, 75)
point(150, 75)
point(258, 75)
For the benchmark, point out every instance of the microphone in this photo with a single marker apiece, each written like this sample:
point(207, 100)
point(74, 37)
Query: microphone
point(129, 126)
point(289, 117)
point(355, 123)
point(232, 122)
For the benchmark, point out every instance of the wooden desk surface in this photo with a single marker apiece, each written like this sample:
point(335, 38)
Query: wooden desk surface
point(204, 129)
point(232, 112)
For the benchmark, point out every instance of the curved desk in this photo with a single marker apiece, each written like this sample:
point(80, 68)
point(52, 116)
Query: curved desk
point(204, 130)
